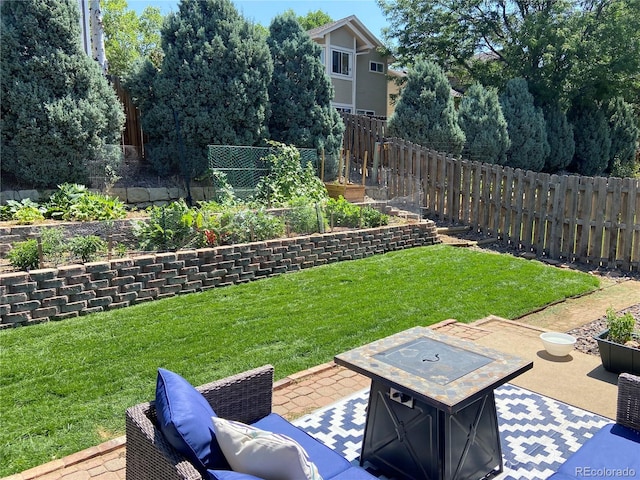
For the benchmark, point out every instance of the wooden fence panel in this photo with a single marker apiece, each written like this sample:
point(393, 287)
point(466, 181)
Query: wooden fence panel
point(585, 219)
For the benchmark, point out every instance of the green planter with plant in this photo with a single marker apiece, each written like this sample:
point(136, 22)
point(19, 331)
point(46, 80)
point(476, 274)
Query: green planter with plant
point(619, 344)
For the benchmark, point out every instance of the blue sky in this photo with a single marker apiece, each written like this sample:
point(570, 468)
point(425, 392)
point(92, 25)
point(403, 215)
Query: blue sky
point(262, 11)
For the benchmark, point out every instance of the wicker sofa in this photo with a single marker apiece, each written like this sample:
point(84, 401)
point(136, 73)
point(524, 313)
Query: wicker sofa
point(614, 451)
point(246, 398)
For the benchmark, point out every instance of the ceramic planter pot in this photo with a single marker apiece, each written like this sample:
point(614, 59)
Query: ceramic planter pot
point(617, 358)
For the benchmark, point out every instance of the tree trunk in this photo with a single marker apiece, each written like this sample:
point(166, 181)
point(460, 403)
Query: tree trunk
point(97, 35)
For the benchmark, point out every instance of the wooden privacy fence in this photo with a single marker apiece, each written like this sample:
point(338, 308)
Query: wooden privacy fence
point(593, 220)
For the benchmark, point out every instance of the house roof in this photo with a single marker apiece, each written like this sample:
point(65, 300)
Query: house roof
point(365, 40)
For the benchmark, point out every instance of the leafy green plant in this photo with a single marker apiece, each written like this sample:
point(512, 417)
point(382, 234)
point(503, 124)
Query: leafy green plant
point(288, 180)
point(5, 213)
point(96, 206)
point(54, 248)
point(342, 213)
point(245, 225)
point(373, 218)
point(87, 247)
point(169, 227)
point(24, 255)
point(26, 211)
point(302, 217)
point(223, 191)
point(621, 327)
point(63, 198)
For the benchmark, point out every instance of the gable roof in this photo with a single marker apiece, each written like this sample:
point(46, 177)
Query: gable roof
point(365, 40)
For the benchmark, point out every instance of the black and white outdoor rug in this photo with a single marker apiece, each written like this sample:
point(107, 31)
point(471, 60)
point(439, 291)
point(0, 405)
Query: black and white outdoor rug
point(537, 433)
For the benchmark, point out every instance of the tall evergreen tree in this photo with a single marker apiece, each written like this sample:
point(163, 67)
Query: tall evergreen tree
point(58, 111)
point(484, 126)
point(300, 91)
point(560, 138)
point(211, 87)
point(425, 113)
point(624, 130)
point(527, 131)
point(593, 141)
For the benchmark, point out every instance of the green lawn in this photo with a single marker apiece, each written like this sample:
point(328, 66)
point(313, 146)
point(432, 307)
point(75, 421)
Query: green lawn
point(65, 385)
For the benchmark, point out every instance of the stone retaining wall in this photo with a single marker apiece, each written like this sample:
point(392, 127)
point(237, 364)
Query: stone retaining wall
point(73, 290)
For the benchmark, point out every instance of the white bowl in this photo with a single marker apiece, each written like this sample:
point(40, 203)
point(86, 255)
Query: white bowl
point(558, 344)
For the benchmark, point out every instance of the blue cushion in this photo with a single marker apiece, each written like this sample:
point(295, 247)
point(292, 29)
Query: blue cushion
point(612, 448)
point(354, 473)
point(329, 463)
point(229, 475)
point(184, 418)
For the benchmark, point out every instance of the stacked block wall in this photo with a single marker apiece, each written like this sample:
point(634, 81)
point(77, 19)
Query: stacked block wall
point(73, 290)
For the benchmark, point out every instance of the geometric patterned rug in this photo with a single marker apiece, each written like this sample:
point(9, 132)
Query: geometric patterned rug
point(537, 433)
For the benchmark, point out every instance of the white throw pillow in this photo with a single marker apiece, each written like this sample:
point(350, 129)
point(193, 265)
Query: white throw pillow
point(267, 455)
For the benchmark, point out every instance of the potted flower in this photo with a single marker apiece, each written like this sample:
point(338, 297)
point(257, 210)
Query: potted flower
point(619, 344)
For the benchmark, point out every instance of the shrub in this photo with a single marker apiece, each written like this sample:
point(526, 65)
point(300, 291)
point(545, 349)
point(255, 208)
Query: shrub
point(212, 86)
point(245, 225)
point(526, 126)
point(58, 111)
point(26, 211)
point(484, 126)
point(63, 198)
point(593, 141)
point(342, 213)
point(621, 327)
point(54, 247)
point(169, 227)
point(24, 255)
point(300, 92)
point(87, 247)
point(96, 206)
point(288, 180)
point(560, 137)
point(624, 131)
point(425, 113)
point(302, 217)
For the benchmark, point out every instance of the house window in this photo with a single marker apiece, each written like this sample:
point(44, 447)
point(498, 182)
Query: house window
point(322, 56)
point(376, 67)
point(343, 109)
point(341, 62)
point(369, 113)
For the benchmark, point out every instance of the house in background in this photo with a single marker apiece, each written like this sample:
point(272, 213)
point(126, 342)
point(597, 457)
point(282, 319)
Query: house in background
point(357, 70)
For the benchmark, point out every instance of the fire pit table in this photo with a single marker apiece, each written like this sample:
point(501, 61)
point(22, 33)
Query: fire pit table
point(432, 412)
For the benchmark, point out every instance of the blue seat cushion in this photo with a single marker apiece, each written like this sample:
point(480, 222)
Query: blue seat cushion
point(229, 475)
point(613, 448)
point(354, 473)
point(184, 418)
point(329, 463)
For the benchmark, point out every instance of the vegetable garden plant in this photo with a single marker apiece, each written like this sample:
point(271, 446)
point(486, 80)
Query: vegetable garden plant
point(290, 186)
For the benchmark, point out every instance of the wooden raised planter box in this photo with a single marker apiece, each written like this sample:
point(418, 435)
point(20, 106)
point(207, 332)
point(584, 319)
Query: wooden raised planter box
point(617, 358)
point(350, 192)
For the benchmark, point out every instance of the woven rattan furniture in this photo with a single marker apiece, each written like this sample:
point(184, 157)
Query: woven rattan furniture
point(247, 398)
point(614, 451)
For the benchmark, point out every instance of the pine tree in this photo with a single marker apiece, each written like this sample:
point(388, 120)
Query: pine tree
point(525, 123)
point(560, 138)
point(425, 113)
point(211, 87)
point(624, 131)
point(593, 141)
point(484, 126)
point(300, 91)
point(58, 111)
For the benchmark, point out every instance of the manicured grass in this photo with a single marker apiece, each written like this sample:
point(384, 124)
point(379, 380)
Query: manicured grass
point(65, 385)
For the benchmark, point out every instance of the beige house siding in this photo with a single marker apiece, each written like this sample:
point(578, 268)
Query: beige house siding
point(356, 87)
point(370, 84)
